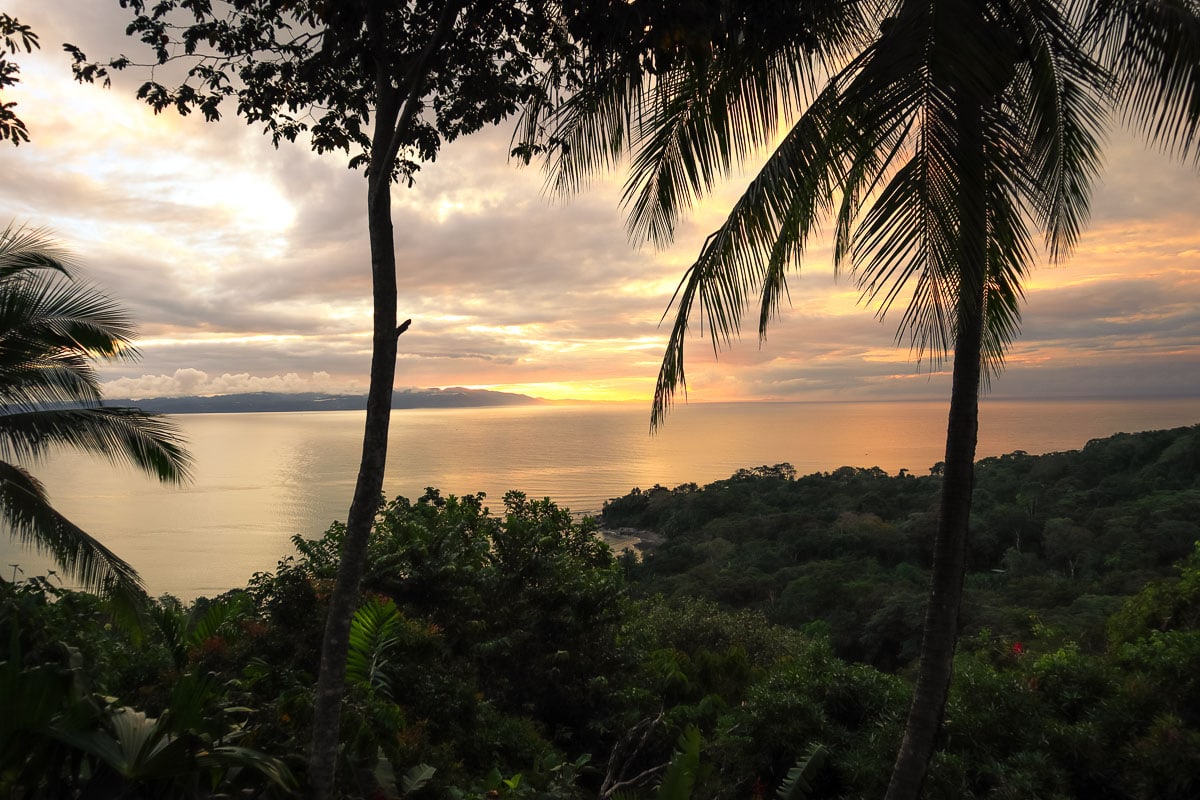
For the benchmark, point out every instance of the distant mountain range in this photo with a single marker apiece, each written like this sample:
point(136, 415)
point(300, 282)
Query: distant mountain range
point(456, 397)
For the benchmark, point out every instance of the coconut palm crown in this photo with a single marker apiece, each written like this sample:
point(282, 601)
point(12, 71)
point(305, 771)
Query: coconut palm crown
point(53, 329)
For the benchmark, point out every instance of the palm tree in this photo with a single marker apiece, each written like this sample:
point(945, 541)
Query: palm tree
point(52, 329)
point(959, 134)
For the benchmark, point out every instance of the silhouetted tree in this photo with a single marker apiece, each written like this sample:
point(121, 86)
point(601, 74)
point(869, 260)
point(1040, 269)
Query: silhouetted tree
point(387, 82)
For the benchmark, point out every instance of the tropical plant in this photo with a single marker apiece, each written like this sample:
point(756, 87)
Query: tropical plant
point(374, 631)
point(60, 739)
point(798, 783)
point(69, 728)
point(131, 751)
point(948, 142)
point(183, 634)
point(1152, 52)
point(679, 778)
point(52, 330)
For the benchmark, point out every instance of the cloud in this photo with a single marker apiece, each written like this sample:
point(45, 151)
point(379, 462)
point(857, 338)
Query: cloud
point(188, 382)
point(251, 264)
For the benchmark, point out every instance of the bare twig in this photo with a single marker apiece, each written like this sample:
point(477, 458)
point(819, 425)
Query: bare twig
point(615, 778)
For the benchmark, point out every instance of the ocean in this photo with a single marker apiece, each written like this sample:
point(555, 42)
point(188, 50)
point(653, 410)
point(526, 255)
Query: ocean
point(261, 478)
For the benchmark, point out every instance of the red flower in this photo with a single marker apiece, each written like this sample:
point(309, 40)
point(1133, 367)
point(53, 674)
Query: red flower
point(1018, 648)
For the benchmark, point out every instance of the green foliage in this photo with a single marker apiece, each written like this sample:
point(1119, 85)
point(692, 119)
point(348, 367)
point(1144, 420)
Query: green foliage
point(1060, 566)
point(811, 697)
point(474, 630)
point(1049, 718)
point(680, 775)
point(481, 640)
point(374, 631)
point(1163, 605)
point(529, 600)
point(1065, 536)
point(135, 751)
point(63, 737)
point(799, 781)
point(549, 778)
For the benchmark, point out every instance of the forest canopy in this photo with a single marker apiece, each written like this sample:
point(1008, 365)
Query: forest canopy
point(765, 640)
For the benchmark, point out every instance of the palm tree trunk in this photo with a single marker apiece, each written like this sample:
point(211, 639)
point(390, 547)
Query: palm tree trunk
point(949, 565)
point(368, 488)
point(954, 511)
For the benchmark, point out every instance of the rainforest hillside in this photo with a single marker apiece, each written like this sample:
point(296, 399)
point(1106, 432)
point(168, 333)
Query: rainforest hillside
point(1056, 540)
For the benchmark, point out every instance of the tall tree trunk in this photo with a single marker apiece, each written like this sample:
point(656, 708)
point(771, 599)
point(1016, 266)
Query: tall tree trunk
point(958, 481)
point(949, 564)
point(397, 104)
point(368, 488)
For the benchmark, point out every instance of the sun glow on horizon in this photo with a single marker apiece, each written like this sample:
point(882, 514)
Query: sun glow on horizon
point(618, 390)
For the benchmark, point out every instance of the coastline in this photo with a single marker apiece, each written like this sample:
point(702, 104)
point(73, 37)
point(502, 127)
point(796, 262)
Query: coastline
point(636, 539)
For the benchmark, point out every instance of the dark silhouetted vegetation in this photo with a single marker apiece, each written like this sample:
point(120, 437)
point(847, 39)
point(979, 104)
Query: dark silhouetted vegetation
point(54, 330)
point(1059, 539)
point(770, 634)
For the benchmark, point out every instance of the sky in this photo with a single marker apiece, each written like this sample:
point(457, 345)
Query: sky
point(247, 267)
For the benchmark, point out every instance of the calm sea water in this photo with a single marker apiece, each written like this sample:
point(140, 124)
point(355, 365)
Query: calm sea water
point(260, 478)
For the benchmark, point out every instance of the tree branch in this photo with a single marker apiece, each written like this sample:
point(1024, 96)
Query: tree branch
point(414, 80)
point(615, 779)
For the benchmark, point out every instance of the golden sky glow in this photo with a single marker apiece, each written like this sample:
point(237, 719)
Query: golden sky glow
point(247, 266)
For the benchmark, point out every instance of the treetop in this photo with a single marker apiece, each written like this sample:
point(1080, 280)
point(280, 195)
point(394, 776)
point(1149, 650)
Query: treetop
point(317, 69)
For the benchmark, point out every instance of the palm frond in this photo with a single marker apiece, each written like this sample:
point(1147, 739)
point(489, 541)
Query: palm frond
point(775, 215)
point(798, 783)
point(700, 122)
point(935, 165)
point(1152, 48)
point(374, 631)
point(52, 330)
point(1010, 252)
point(1059, 95)
point(905, 240)
point(679, 779)
point(23, 248)
point(59, 313)
point(34, 383)
point(593, 128)
point(218, 616)
point(835, 146)
point(27, 513)
point(149, 442)
point(689, 120)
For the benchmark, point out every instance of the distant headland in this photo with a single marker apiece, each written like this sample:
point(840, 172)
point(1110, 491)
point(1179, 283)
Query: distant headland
point(246, 402)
